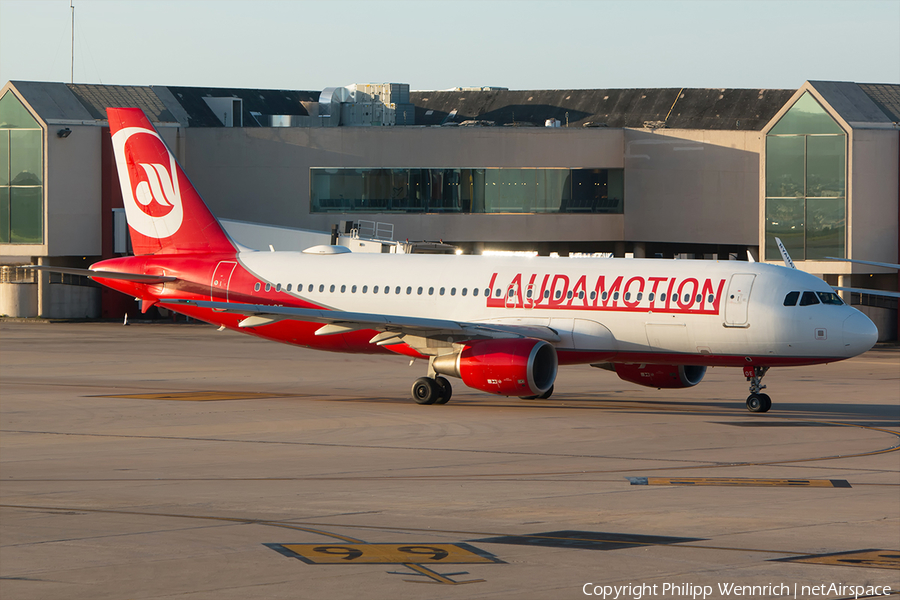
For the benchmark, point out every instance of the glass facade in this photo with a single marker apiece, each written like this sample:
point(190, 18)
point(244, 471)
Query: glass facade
point(491, 190)
point(806, 185)
point(21, 174)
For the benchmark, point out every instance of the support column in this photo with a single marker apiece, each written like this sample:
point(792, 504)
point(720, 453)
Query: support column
point(43, 291)
point(640, 250)
point(844, 281)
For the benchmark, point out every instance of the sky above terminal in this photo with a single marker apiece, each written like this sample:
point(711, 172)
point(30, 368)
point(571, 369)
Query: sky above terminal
point(310, 45)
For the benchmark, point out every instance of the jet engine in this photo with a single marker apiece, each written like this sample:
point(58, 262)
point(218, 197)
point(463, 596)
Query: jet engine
point(661, 376)
point(514, 367)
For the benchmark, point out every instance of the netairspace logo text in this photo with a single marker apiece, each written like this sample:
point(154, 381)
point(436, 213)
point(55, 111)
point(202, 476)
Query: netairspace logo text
point(702, 592)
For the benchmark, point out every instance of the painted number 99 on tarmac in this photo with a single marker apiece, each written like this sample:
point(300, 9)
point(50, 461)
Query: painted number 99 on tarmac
point(342, 554)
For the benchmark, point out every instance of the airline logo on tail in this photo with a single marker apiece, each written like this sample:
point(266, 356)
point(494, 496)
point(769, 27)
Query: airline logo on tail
point(153, 206)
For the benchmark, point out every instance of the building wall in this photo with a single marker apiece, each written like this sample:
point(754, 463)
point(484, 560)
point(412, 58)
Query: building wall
point(874, 190)
point(690, 186)
point(680, 186)
point(73, 192)
point(262, 175)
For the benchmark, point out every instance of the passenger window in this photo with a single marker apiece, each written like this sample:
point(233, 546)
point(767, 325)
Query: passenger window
point(557, 294)
point(593, 295)
point(474, 291)
point(512, 292)
point(310, 287)
point(808, 299)
point(419, 291)
point(375, 290)
point(256, 287)
point(397, 290)
point(830, 298)
point(616, 296)
point(528, 293)
point(343, 288)
point(277, 287)
point(387, 289)
point(464, 291)
point(365, 289)
point(639, 296)
point(710, 298)
point(289, 287)
point(452, 291)
point(331, 289)
point(441, 292)
point(497, 292)
point(650, 297)
point(409, 290)
point(627, 295)
point(546, 293)
point(321, 287)
point(791, 298)
point(268, 287)
point(605, 295)
point(353, 290)
point(431, 291)
point(699, 298)
point(569, 295)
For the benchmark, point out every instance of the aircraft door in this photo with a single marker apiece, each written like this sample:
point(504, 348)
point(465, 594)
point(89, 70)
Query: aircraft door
point(220, 280)
point(738, 299)
point(514, 295)
point(530, 299)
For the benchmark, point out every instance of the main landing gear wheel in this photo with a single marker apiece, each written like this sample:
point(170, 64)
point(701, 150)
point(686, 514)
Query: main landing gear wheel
point(759, 403)
point(426, 390)
point(446, 390)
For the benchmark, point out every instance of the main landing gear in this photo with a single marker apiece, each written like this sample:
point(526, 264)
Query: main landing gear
point(756, 401)
point(426, 390)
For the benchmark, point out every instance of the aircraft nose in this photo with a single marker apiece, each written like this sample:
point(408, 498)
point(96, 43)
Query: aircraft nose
point(860, 333)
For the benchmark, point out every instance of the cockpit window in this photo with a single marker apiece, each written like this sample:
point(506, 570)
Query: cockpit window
point(791, 298)
point(830, 298)
point(808, 298)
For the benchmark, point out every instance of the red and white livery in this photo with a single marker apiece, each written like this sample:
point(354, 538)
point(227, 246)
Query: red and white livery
point(501, 324)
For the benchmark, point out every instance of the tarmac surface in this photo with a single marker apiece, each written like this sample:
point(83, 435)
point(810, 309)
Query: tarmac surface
point(176, 461)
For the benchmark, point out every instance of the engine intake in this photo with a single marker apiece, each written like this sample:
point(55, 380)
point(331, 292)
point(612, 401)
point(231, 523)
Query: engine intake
point(661, 376)
point(517, 367)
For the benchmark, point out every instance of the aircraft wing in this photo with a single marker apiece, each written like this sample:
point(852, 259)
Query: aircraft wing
point(392, 328)
point(869, 292)
point(105, 274)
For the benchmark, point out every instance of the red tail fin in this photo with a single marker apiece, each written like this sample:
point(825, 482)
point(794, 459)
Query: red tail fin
point(165, 213)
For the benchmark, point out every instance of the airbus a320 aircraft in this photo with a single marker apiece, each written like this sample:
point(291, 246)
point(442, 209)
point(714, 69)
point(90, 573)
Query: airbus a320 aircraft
point(502, 325)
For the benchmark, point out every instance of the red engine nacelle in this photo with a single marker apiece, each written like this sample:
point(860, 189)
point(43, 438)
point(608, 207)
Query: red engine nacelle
point(661, 376)
point(517, 367)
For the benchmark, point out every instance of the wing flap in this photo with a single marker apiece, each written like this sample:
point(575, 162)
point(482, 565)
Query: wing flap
point(392, 328)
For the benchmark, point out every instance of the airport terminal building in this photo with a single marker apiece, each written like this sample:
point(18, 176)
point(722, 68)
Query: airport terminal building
point(673, 173)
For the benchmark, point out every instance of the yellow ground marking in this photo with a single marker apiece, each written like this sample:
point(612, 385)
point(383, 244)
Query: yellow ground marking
point(740, 481)
point(201, 396)
point(403, 554)
point(877, 559)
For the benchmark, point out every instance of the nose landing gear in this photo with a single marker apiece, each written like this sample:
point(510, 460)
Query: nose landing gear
point(756, 401)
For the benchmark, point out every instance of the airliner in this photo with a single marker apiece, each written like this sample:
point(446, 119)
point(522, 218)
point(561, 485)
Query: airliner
point(503, 325)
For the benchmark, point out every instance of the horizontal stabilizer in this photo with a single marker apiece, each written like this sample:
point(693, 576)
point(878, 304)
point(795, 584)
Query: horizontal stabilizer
point(105, 274)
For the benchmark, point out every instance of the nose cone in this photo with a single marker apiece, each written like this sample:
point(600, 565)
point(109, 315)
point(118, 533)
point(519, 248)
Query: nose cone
point(860, 333)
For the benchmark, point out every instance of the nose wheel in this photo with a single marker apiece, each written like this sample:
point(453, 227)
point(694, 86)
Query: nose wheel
point(757, 401)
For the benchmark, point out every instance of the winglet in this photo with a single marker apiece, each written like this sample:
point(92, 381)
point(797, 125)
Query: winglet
point(784, 254)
